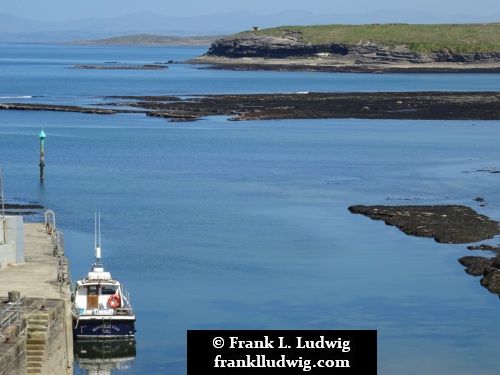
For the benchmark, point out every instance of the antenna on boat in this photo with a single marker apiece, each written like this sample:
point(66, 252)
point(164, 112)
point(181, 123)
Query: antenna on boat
point(97, 239)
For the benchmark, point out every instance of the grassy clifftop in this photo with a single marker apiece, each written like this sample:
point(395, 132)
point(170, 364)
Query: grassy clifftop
point(461, 38)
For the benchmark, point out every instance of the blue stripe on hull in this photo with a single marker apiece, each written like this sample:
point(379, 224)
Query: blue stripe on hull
point(99, 328)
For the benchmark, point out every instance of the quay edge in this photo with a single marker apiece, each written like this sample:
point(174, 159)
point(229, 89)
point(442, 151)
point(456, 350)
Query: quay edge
point(35, 301)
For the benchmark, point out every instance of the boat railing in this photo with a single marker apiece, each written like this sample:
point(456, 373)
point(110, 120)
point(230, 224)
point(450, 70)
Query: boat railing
point(126, 298)
point(125, 311)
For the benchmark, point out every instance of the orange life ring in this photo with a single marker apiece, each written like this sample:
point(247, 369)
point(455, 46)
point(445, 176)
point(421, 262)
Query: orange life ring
point(114, 301)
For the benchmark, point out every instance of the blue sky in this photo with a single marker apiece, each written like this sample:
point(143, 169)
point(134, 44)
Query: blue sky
point(63, 10)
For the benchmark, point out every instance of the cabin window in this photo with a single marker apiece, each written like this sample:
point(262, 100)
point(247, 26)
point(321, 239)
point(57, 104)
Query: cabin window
point(106, 289)
point(92, 290)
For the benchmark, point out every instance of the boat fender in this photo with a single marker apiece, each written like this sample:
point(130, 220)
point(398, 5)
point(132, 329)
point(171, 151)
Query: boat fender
point(114, 301)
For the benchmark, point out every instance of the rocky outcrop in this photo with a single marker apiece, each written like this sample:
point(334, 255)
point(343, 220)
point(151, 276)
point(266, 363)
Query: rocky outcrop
point(450, 224)
point(267, 46)
point(475, 265)
point(488, 268)
point(446, 224)
point(291, 45)
point(491, 276)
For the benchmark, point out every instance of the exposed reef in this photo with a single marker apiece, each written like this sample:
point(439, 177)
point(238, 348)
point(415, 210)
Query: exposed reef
point(54, 107)
point(367, 105)
point(446, 224)
point(488, 268)
point(25, 209)
point(122, 67)
point(452, 224)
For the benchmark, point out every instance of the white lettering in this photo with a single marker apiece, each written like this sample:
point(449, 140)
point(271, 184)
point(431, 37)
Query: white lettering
point(251, 344)
point(323, 344)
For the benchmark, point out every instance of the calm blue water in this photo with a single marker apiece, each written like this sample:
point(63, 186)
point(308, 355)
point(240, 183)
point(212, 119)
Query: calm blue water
point(244, 225)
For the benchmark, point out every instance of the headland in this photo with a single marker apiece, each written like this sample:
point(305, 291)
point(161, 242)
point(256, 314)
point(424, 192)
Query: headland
point(376, 48)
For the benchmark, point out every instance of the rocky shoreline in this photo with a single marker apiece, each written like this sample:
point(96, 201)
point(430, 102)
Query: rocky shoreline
point(242, 107)
point(319, 64)
point(447, 224)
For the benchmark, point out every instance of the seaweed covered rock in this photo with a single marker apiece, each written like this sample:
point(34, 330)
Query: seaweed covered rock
point(445, 223)
point(475, 265)
point(491, 279)
point(489, 268)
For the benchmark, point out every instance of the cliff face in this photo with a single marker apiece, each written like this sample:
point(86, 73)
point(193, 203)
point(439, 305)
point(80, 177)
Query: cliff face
point(291, 45)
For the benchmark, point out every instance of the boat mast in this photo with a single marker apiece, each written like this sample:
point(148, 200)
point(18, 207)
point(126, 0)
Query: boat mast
point(97, 241)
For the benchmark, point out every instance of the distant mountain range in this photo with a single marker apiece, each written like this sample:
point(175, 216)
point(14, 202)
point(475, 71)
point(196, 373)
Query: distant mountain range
point(19, 30)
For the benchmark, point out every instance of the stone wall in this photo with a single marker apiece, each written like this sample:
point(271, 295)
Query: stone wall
point(49, 349)
point(13, 356)
point(45, 347)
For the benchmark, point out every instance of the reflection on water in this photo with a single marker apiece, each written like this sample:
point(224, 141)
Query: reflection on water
point(104, 356)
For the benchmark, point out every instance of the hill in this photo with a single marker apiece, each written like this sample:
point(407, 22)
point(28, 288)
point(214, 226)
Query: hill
point(152, 40)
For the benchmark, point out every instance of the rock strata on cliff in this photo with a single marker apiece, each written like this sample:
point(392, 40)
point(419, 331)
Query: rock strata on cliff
point(290, 48)
point(291, 45)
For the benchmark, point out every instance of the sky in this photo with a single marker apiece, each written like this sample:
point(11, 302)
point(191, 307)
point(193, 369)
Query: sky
point(66, 10)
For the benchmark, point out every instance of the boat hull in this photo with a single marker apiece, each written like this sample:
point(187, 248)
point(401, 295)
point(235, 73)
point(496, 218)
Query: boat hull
point(103, 327)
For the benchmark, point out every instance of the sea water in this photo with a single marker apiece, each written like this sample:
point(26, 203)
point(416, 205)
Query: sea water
point(216, 224)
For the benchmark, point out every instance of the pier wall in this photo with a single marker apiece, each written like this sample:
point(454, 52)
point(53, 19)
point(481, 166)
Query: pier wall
point(38, 342)
point(46, 338)
point(39, 339)
point(13, 357)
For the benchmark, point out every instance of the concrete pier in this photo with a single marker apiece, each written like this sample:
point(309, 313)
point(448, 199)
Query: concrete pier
point(40, 342)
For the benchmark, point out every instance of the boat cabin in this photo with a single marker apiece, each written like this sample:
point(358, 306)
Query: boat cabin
point(98, 294)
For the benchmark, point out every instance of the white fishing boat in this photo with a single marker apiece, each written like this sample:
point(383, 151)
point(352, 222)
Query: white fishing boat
point(100, 305)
